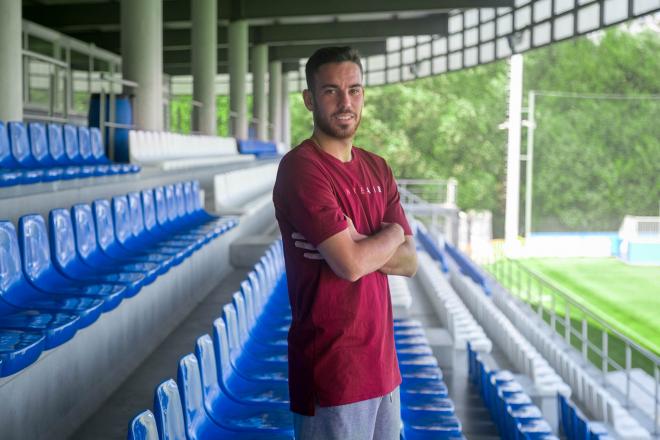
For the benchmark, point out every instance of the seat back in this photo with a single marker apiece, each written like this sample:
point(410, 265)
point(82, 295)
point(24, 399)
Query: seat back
point(19, 144)
point(38, 142)
point(143, 427)
point(96, 140)
point(246, 290)
point(197, 198)
point(71, 147)
point(244, 326)
point(191, 393)
point(62, 239)
point(10, 266)
point(160, 205)
point(85, 144)
point(262, 277)
point(33, 242)
point(148, 209)
point(105, 234)
point(208, 368)
point(231, 319)
point(188, 195)
point(84, 230)
point(122, 219)
point(56, 143)
point(170, 198)
point(136, 214)
point(169, 412)
point(6, 159)
point(221, 347)
point(257, 292)
point(180, 200)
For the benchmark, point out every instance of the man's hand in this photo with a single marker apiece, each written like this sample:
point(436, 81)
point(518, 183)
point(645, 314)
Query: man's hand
point(302, 243)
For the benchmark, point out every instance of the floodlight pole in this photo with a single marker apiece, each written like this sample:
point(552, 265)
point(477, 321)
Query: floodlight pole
point(512, 208)
point(531, 126)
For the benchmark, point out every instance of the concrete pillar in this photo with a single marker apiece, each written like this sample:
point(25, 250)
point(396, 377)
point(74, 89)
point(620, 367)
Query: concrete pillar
point(259, 105)
point(204, 15)
point(285, 136)
point(11, 61)
point(513, 155)
point(275, 99)
point(142, 59)
point(238, 66)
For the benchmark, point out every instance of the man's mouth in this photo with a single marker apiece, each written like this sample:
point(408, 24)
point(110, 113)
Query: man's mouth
point(345, 116)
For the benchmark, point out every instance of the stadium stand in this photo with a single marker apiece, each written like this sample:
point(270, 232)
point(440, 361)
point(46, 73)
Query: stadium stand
point(171, 151)
point(217, 398)
point(44, 154)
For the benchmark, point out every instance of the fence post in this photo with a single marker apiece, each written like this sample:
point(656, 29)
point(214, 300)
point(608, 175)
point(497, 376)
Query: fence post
point(628, 368)
point(585, 339)
point(605, 355)
point(567, 324)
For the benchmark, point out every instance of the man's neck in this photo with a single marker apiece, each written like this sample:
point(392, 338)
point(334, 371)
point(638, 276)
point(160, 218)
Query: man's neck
point(339, 148)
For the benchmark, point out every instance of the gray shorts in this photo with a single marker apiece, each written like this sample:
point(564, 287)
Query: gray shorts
point(373, 419)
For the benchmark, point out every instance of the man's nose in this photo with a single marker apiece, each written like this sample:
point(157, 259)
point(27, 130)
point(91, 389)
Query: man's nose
point(345, 98)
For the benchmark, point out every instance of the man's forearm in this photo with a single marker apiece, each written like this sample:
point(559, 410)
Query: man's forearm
point(351, 260)
point(403, 262)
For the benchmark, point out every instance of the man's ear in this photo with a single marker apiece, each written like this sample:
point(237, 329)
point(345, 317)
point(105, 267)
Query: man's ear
point(308, 99)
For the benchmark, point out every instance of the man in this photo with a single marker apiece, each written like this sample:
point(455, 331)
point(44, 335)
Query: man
point(344, 231)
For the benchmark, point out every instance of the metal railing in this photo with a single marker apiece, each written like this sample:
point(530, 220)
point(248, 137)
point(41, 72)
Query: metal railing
point(581, 328)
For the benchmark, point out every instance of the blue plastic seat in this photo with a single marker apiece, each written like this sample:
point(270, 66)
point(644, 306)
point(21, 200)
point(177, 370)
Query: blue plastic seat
point(153, 229)
point(40, 272)
point(226, 412)
point(143, 427)
point(258, 342)
point(127, 245)
point(111, 250)
point(18, 349)
point(100, 158)
point(72, 152)
point(269, 394)
point(435, 427)
point(56, 326)
point(142, 239)
point(244, 345)
point(87, 245)
point(40, 154)
point(66, 258)
point(57, 156)
point(13, 144)
point(248, 364)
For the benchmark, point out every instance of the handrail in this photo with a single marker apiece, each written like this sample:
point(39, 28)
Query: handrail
point(502, 270)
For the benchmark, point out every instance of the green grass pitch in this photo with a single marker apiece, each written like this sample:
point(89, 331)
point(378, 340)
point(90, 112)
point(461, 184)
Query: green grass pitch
point(625, 296)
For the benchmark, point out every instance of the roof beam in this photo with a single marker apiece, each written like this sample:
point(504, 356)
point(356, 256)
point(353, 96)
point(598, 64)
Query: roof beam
point(69, 17)
point(286, 35)
point(282, 53)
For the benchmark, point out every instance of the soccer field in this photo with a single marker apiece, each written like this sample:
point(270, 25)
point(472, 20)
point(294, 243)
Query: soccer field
point(627, 297)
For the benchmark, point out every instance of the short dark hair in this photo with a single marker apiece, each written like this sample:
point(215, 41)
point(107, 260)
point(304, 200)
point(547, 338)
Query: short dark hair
point(325, 55)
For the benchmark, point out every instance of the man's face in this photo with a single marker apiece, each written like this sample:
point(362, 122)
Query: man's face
point(337, 100)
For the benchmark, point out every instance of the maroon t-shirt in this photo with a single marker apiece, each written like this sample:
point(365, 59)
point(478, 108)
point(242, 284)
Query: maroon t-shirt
point(341, 341)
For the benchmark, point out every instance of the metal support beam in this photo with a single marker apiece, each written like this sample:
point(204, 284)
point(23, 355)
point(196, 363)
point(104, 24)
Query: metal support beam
point(513, 155)
point(275, 99)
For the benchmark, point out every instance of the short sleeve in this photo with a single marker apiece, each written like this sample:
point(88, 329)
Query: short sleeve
point(393, 210)
point(304, 198)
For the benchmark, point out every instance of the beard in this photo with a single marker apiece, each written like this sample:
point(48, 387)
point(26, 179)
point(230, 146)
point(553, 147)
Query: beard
point(340, 130)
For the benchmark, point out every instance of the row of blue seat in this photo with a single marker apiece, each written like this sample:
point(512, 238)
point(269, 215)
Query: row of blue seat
point(469, 268)
point(515, 416)
point(235, 385)
point(45, 153)
point(575, 425)
point(97, 255)
point(430, 247)
point(427, 412)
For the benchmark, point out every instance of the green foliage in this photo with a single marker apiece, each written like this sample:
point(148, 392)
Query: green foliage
point(181, 111)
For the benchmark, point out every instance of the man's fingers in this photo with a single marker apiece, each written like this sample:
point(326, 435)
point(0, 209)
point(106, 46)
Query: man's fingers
point(304, 245)
point(313, 256)
point(297, 236)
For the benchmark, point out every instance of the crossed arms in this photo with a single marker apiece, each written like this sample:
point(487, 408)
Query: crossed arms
point(352, 255)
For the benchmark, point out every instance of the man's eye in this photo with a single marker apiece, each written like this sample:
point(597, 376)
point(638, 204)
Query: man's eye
point(329, 91)
point(356, 91)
